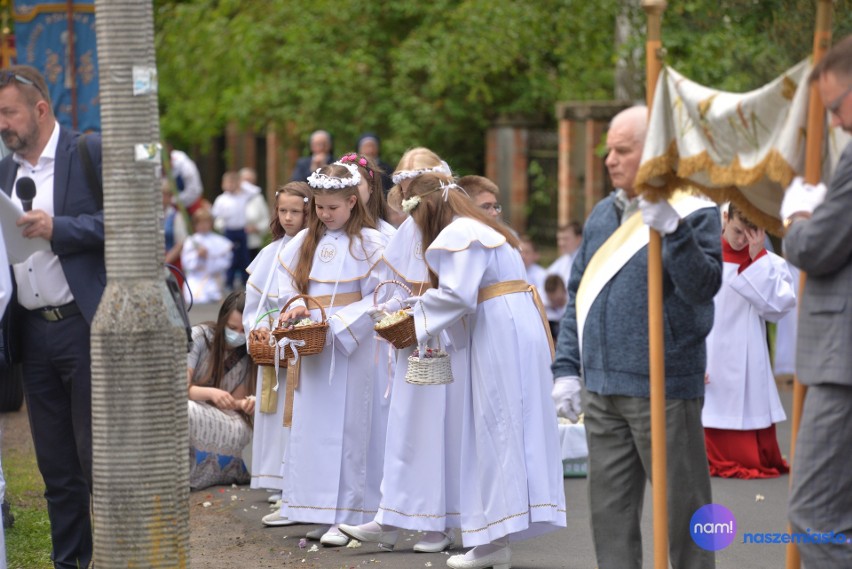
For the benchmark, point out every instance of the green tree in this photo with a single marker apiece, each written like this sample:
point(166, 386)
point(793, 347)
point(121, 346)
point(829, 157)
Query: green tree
point(438, 73)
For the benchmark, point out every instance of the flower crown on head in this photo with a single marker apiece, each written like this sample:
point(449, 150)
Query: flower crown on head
point(411, 203)
point(320, 181)
point(442, 168)
point(353, 158)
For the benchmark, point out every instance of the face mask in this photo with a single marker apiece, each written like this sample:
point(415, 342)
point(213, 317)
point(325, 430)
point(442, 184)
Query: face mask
point(234, 339)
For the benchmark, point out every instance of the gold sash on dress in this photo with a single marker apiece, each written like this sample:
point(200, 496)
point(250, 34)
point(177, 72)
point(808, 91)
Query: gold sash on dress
point(511, 287)
point(340, 299)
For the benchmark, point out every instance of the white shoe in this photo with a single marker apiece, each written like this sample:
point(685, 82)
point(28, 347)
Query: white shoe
point(429, 545)
point(275, 520)
point(316, 534)
point(334, 538)
point(274, 498)
point(498, 559)
point(372, 532)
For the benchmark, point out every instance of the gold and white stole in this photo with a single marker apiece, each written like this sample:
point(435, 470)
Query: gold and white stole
point(618, 249)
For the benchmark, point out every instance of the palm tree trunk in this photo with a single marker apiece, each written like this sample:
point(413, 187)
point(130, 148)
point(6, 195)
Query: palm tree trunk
point(139, 424)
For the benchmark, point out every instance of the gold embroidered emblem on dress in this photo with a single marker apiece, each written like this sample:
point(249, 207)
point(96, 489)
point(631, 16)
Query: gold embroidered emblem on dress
point(327, 253)
point(418, 250)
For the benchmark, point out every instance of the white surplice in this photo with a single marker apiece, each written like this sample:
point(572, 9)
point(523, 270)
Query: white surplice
point(420, 483)
point(334, 458)
point(269, 442)
point(204, 274)
point(742, 394)
point(510, 456)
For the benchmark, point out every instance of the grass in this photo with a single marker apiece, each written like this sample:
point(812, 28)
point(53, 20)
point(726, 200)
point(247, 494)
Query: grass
point(28, 541)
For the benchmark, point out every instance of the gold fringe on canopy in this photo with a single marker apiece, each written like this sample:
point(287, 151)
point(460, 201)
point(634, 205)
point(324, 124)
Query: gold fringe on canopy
point(744, 148)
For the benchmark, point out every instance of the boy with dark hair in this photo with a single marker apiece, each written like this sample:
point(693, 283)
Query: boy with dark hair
point(741, 403)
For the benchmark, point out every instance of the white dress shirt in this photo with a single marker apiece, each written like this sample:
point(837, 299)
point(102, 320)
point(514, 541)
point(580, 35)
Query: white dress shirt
point(41, 280)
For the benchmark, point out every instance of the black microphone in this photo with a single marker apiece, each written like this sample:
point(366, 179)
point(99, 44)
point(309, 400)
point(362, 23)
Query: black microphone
point(26, 190)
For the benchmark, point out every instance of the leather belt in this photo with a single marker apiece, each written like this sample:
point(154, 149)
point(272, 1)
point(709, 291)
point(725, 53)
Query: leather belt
point(57, 313)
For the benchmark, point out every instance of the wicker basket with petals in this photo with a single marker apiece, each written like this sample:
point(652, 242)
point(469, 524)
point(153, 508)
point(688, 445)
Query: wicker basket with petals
point(433, 368)
point(313, 335)
point(262, 347)
point(400, 333)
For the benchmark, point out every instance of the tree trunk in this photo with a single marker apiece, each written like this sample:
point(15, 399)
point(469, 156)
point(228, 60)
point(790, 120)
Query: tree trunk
point(139, 424)
point(629, 73)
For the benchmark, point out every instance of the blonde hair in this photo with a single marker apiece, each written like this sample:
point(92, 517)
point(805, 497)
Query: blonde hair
point(416, 158)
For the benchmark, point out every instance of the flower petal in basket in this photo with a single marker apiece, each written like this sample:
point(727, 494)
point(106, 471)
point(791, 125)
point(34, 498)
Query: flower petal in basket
point(313, 335)
point(398, 329)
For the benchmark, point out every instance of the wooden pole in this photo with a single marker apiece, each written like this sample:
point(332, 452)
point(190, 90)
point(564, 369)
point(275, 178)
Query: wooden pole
point(813, 171)
point(653, 55)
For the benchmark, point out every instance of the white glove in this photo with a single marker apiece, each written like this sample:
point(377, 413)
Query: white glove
point(566, 397)
point(411, 301)
point(659, 215)
point(801, 197)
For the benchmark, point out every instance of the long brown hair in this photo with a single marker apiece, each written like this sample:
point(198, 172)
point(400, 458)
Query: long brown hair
point(218, 349)
point(358, 219)
point(370, 171)
point(433, 213)
point(297, 189)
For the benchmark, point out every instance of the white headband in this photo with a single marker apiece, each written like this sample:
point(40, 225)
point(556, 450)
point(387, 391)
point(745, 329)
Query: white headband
point(318, 180)
point(443, 168)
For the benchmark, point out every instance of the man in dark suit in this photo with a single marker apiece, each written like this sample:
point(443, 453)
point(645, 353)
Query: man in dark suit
point(320, 144)
point(57, 293)
point(819, 241)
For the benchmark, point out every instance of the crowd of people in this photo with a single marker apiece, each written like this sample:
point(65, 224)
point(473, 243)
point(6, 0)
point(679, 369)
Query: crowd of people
point(456, 435)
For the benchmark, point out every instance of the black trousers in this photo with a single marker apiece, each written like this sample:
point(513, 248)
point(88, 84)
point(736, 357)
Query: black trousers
point(58, 390)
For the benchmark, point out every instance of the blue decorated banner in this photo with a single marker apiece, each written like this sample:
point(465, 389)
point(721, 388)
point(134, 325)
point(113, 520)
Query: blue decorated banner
point(42, 37)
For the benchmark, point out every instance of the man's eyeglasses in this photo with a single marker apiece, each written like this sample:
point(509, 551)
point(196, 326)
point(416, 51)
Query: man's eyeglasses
point(7, 77)
point(834, 106)
point(495, 206)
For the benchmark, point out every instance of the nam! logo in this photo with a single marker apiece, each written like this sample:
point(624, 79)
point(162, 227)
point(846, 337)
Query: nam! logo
point(713, 527)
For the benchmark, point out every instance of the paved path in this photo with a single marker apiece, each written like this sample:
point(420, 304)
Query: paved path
point(758, 505)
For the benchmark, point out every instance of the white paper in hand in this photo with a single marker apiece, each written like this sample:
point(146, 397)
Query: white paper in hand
point(18, 247)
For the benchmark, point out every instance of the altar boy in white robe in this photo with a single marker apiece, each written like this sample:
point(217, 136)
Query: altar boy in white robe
point(336, 450)
point(512, 486)
point(741, 403)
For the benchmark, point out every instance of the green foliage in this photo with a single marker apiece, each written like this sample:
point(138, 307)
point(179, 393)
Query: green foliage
point(439, 73)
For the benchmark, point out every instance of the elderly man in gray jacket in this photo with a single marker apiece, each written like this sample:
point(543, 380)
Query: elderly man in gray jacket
point(819, 241)
point(603, 338)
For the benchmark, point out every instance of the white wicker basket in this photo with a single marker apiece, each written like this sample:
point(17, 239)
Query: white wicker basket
point(434, 370)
